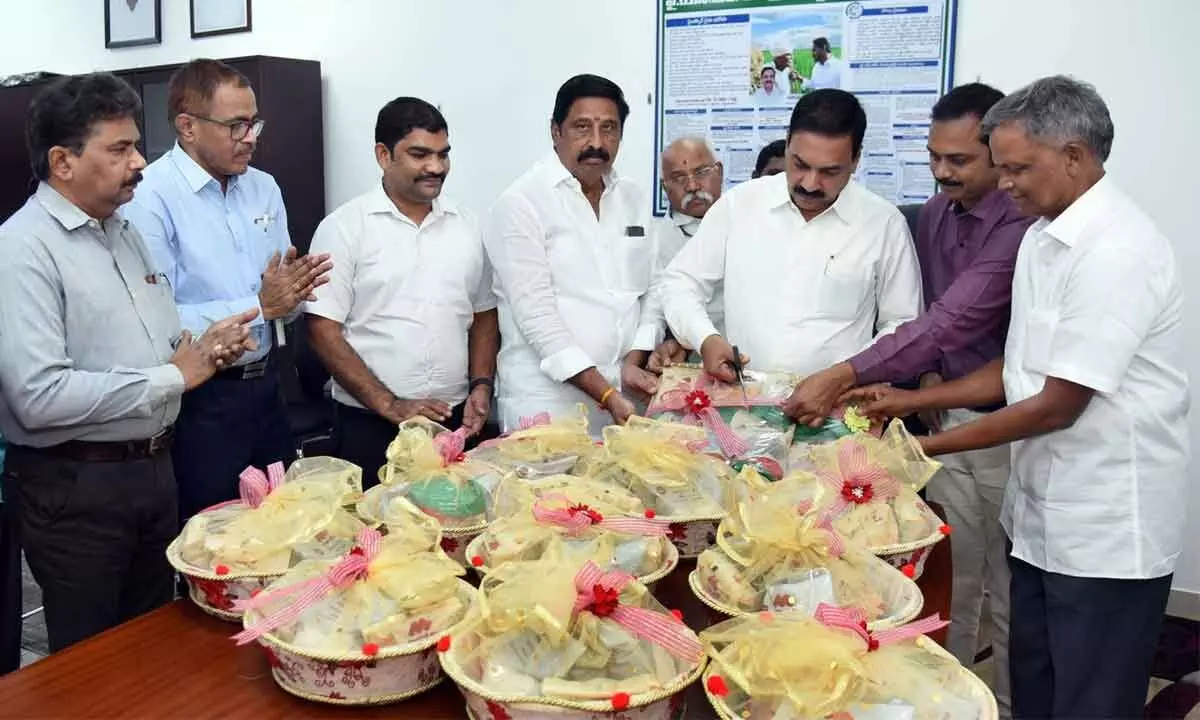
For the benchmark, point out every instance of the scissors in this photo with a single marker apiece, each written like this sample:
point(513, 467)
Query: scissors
point(740, 372)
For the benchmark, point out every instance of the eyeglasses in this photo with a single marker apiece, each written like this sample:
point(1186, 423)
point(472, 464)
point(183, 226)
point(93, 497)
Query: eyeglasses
point(238, 129)
point(699, 174)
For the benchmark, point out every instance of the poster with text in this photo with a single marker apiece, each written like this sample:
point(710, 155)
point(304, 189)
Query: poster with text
point(730, 71)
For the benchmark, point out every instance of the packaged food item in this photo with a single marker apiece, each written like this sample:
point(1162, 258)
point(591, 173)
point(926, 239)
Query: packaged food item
point(777, 666)
point(542, 446)
point(749, 430)
point(383, 605)
point(773, 553)
point(578, 520)
point(571, 636)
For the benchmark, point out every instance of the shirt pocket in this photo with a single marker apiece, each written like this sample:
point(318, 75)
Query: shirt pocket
point(842, 292)
point(1039, 338)
point(635, 263)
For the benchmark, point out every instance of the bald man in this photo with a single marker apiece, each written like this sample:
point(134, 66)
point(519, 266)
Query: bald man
point(692, 178)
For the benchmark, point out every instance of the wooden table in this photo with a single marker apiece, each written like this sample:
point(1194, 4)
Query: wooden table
point(177, 662)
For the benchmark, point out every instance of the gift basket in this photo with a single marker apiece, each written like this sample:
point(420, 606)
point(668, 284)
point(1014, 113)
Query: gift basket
point(843, 421)
point(787, 667)
point(231, 550)
point(427, 466)
point(774, 554)
point(664, 465)
point(362, 629)
point(749, 429)
point(868, 487)
point(563, 640)
point(542, 446)
point(573, 519)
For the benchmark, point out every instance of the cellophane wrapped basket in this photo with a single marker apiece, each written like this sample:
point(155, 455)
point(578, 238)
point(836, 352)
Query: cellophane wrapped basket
point(663, 464)
point(749, 430)
point(574, 519)
point(788, 667)
point(845, 420)
point(426, 464)
point(543, 446)
point(773, 554)
point(868, 487)
point(559, 639)
point(361, 629)
point(231, 550)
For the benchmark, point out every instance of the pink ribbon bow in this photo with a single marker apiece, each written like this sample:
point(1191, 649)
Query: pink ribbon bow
point(525, 423)
point(855, 620)
point(305, 594)
point(450, 445)
point(254, 486)
point(556, 509)
point(698, 407)
point(599, 593)
point(857, 480)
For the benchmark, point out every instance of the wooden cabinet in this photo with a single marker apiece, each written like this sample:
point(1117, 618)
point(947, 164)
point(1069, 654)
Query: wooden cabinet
point(291, 149)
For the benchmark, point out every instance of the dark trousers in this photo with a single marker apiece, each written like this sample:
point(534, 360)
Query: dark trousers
point(1082, 647)
point(95, 535)
point(362, 437)
point(225, 425)
point(10, 590)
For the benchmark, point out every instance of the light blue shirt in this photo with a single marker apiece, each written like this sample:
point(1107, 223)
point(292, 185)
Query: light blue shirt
point(212, 246)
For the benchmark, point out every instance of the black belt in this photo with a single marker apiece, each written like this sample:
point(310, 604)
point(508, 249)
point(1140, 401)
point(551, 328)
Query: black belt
point(249, 371)
point(116, 451)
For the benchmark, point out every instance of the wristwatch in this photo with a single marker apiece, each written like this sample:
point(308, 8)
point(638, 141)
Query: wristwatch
point(476, 382)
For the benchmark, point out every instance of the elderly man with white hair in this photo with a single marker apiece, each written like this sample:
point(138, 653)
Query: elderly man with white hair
point(1097, 411)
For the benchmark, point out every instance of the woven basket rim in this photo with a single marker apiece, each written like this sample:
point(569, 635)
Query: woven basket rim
point(671, 562)
point(175, 558)
point(464, 589)
point(907, 612)
point(454, 670)
point(363, 702)
point(980, 689)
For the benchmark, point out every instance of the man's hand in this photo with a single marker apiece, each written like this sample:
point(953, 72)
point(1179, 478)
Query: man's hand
point(620, 408)
point(881, 402)
point(476, 409)
point(289, 281)
point(931, 419)
point(639, 383)
point(400, 410)
point(218, 348)
point(813, 399)
point(668, 353)
point(718, 358)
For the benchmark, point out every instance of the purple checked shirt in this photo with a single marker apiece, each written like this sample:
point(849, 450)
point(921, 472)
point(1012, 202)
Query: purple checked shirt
point(967, 260)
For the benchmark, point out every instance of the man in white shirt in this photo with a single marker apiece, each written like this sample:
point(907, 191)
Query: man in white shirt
point(827, 70)
point(770, 92)
point(407, 324)
point(813, 264)
point(1097, 412)
point(573, 260)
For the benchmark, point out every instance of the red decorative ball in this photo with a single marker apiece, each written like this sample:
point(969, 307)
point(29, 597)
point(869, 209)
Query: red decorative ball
point(443, 644)
point(716, 686)
point(872, 644)
point(944, 529)
point(677, 614)
point(620, 701)
point(222, 569)
point(909, 570)
point(476, 561)
point(650, 514)
point(255, 592)
point(370, 649)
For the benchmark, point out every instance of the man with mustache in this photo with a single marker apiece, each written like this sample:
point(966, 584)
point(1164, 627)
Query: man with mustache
point(574, 263)
point(770, 92)
point(92, 367)
point(967, 241)
point(813, 264)
point(218, 229)
point(407, 324)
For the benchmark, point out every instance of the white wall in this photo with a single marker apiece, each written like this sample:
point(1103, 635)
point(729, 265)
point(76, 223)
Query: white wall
point(494, 67)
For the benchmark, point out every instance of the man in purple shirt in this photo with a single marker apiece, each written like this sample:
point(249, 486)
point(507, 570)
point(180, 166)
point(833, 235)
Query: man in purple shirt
point(967, 241)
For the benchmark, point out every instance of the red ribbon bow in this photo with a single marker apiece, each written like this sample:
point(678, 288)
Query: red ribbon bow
point(556, 509)
point(353, 566)
point(254, 486)
point(599, 593)
point(450, 445)
point(698, 408)
point(857, 480)
point(855, 620)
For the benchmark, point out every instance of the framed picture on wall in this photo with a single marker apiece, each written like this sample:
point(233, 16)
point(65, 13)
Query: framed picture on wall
point(219, 17)
point(129, 23)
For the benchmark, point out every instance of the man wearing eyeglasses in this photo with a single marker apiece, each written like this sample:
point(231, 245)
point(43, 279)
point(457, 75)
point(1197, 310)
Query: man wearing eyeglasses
point(218, 229)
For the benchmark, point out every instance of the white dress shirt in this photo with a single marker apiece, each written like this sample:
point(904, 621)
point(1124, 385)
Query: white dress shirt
point(1097, 301)
point(406, 295)
point(671, 233)
point(778, 97)
point(827, 74)
point(799, 295)
point(570, 288)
